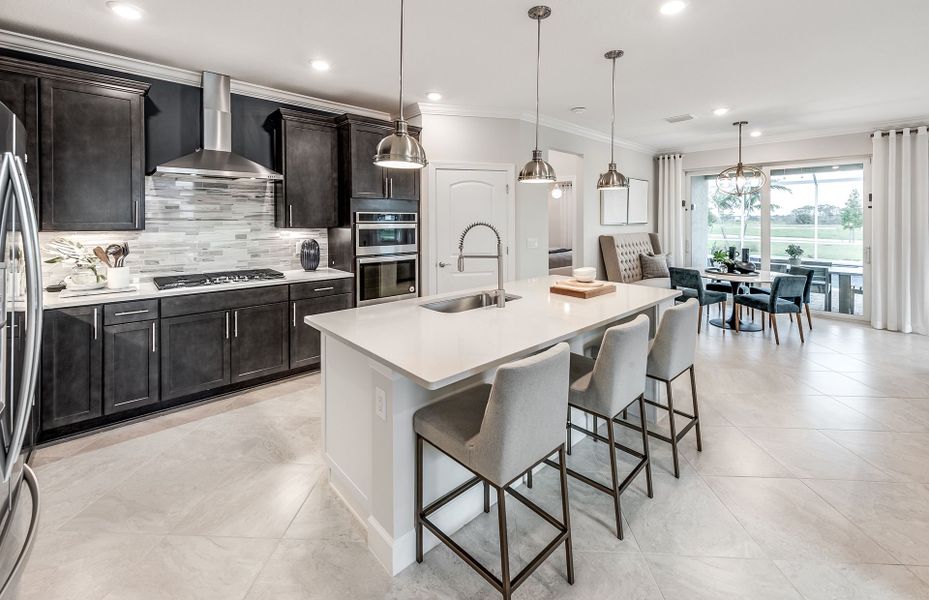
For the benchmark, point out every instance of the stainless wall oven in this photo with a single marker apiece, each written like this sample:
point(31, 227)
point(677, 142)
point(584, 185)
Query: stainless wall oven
point(385, 233)
point(386, 278)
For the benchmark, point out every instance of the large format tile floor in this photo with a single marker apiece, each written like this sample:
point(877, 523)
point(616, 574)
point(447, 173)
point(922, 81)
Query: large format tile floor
point(812, 484)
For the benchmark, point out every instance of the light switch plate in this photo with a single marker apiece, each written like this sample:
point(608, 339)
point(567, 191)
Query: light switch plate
point(380, 403)
point(297, 245)
point(532, 243)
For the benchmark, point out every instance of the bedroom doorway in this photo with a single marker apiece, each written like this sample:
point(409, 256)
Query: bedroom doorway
point(561, 213)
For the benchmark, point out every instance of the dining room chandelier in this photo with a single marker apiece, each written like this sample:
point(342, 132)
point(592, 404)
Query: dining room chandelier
point(741, 180)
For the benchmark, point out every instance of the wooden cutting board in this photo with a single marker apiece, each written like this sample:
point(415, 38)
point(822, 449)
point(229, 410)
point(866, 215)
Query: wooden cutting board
point(579, 289)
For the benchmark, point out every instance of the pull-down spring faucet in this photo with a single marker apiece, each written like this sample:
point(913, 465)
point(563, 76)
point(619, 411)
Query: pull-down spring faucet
point(501, 295)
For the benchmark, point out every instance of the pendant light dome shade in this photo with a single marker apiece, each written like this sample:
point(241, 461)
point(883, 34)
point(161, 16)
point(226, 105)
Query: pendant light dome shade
point(400, 150)
point(537, 170)
point(612, 179)
point(741, 180)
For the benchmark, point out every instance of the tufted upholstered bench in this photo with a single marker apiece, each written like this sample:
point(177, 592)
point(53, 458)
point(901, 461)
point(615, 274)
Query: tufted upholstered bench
point(621, 257)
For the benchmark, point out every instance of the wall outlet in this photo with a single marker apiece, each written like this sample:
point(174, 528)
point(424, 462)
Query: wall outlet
point(532, 243)
point(380, 403)
point(297, 245)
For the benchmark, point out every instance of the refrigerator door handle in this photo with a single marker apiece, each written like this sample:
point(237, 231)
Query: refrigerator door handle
point(14, 170)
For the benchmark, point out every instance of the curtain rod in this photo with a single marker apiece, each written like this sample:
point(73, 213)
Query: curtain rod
point(898, 130)
point(660, 156)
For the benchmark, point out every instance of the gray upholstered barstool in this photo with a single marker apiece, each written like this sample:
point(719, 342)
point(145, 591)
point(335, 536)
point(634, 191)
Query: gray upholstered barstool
point(606, 387)
point(498, 432)
point(673, 352)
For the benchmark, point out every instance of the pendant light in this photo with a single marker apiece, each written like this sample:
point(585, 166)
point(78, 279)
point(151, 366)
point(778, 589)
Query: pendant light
point(400, 150)
point(612, 179)
point(741, 180)
point(537, 170)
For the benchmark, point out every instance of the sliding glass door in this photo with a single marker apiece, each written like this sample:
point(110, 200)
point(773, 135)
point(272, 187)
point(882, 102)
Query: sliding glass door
point(809, 215)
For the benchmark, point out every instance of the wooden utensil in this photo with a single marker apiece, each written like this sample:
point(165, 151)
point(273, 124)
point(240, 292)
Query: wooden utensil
point(100, 253)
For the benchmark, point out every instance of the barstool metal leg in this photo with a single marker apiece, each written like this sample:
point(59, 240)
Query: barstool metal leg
point(677, 470)
point(693, 391)
point(529, 479)
point(569, 432)
point(419, 498)
point(613, 471)
point(504, 545)
point(645, 451)
point(486, 497)
point(566, 515)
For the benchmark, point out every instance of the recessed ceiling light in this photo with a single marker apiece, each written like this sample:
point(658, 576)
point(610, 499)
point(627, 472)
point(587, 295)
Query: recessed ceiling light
point(755, 133)
point(126, 11)
point(721, 111)
point(578, 110)
point(673, 7)
point(434, 96)
point(319, 64)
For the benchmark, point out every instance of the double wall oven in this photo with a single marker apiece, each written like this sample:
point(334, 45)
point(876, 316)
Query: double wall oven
point(386, 256)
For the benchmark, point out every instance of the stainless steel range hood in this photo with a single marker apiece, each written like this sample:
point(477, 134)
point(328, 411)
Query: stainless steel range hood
point(216, 159)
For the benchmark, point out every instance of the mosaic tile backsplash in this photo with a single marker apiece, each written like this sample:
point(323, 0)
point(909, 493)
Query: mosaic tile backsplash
point(196, 225)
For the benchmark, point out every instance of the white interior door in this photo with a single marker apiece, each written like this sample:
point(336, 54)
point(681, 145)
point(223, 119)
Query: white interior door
point(462, 197)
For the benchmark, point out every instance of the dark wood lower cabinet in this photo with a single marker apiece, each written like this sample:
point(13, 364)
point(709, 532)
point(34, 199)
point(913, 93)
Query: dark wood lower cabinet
point(131, 366)
point(259, 341)
point(194, 353)
point(72, 366)
point(305, 347)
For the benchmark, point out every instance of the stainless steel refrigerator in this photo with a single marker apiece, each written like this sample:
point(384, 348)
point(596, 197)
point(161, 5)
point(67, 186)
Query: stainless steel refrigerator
point(20, 339)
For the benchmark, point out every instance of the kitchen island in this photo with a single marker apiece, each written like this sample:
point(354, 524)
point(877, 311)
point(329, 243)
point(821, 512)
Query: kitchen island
point(381, 363)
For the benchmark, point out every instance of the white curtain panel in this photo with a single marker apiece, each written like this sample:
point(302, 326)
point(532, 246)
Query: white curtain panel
point(900, 231)
point(670, 209)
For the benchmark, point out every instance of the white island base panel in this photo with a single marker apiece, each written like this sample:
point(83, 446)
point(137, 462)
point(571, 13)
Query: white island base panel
point(369, 446)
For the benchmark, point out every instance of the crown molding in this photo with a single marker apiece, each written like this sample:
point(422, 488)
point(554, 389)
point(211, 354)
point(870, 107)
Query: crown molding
point(106, 60)
point(452, 110)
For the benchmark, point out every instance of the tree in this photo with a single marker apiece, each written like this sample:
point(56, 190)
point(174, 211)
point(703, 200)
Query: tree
point(851, 215)
point(803, 215)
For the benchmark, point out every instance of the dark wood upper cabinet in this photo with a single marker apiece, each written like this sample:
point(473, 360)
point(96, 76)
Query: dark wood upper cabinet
point(91, 154)
point(260, 341)
point(130, 377)
point(307, 156)
point(72, 366)
point(20, 93)
point(359, 177)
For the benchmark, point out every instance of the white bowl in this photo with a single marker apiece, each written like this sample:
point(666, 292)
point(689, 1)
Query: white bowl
point(584, 274)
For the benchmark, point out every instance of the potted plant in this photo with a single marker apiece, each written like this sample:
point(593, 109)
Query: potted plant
point(794, 252)
point(721, 258)
point(84, 263)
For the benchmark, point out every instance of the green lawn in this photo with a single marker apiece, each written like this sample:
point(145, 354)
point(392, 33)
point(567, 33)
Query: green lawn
point(840, 248)
point(826, 232)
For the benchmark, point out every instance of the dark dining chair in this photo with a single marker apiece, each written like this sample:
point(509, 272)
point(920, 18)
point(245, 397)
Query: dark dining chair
point(784, 297)
point(807, 290)
point(690, 282)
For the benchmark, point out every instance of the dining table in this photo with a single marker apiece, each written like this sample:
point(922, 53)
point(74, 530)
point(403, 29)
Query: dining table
point(758, 278)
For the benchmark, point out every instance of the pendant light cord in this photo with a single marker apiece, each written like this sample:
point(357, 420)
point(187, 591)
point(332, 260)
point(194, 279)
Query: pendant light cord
point(401, 60)
point(613, 116)
point(538, 69)
point(740, 143)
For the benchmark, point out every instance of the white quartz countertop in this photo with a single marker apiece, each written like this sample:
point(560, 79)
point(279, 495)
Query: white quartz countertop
point(436, 349)
point(148, 290)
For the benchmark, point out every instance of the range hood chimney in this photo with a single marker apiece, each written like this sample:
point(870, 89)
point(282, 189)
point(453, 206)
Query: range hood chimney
point(216, 158)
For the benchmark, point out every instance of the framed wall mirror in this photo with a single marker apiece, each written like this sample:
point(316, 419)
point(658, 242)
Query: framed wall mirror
point(638, 202)
point(625, 207)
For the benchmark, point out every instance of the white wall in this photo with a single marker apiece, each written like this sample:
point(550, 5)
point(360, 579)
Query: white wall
point(838, 146)
point(506, 140)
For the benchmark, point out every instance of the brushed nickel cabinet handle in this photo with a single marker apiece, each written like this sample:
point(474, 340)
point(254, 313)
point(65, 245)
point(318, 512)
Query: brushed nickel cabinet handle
point(131, 312)
point(324, 289)
point(235, 323)
point(290, 214)
point(153, 336)
point(227, 324)
point(295, 314)
point(95, 323)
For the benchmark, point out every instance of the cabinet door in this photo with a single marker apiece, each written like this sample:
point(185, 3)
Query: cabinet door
point(72, 366)
point(91, 157)
point(310, 175)
point(194, 353)
point(404, 183)
point(305, 340)
point(130, 377)
point(259, 341)
point(20, 94)
point(367, 180)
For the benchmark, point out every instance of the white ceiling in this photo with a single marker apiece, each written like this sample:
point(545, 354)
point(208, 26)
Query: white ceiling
point(790, 67)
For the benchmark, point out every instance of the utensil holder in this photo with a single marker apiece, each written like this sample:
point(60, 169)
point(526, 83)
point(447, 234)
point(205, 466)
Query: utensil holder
point(118, 277)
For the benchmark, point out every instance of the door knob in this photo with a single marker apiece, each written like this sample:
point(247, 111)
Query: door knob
point(443, 264)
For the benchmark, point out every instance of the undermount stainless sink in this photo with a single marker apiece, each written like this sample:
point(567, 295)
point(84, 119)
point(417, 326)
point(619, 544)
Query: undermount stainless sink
point(463, 303)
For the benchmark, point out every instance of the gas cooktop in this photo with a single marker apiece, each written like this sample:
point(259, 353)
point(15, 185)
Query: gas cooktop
point(220, 277)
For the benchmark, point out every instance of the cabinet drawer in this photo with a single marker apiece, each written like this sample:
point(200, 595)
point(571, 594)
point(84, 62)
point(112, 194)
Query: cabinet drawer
point(326, 287)
point(130, 312)
point(211, 301)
